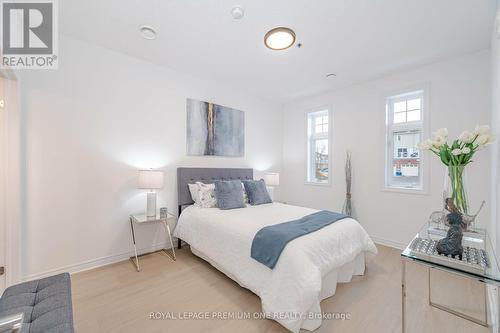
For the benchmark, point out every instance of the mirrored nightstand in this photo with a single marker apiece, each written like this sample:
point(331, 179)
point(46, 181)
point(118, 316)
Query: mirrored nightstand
point(138, 219)
point(465, 287)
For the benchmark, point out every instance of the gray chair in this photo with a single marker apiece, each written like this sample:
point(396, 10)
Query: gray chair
point(38, 306)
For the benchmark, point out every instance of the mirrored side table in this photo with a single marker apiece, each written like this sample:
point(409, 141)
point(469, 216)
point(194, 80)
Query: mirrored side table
point(463, 287)
point(139, 219)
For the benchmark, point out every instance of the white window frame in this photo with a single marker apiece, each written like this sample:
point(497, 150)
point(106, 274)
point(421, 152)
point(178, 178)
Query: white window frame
point(328, 109)
point(391, 127)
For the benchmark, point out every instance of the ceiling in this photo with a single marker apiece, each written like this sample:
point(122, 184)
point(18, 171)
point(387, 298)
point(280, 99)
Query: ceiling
point(357, 39)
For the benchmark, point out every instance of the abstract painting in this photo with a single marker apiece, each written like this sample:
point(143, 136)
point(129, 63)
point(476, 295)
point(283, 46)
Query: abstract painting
point(214, 130)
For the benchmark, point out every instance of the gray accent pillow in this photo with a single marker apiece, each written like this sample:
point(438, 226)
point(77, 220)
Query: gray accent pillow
point(229, 194)
point(257, 192)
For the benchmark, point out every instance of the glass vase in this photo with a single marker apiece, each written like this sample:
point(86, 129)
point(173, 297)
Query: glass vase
point(455, 194)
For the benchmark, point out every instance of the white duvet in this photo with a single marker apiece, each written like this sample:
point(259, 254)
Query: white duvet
point(293, 287)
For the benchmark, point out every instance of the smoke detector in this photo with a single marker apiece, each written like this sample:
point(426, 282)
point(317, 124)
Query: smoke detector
point(237, 12)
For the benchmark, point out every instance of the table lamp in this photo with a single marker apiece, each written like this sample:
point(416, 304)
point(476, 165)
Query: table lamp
point(151, 180)
point(272, 180)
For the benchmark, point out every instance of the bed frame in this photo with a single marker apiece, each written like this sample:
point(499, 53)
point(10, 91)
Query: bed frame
point(187, 176)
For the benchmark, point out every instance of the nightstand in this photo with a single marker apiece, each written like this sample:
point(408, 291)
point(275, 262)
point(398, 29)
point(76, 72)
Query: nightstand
point(138, 219)
point(466, 287)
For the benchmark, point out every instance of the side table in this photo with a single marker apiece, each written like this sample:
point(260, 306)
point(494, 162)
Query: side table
point(139, 219)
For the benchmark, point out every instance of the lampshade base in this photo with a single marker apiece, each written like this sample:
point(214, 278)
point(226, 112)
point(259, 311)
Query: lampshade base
point(151, 205)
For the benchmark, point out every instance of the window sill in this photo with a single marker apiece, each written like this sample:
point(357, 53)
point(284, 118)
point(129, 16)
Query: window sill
point(318, 184)
point(405, 190)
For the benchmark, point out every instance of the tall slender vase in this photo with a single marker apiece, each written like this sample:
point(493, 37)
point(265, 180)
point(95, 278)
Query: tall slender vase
point(455, 193)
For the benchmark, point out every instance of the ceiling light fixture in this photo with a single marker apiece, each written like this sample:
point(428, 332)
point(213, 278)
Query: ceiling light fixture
point(279, 38)
point(237, 12)
point(331, 75)
point(147, 32)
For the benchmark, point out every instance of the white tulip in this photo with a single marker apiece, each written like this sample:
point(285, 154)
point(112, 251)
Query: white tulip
point(425, 145)
point(465, 150)
point(483, 140)
point(481, 130)
point(456, 151)
point(466, 137)
point(490, 139)
point(438, 141)
point(442, 133)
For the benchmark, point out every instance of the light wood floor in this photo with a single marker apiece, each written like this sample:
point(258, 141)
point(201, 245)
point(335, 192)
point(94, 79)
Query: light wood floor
point(116, 298)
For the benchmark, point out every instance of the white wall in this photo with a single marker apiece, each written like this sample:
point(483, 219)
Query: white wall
point(459, 97)
point(89, 126)
point(495, 115)
point(12, 214)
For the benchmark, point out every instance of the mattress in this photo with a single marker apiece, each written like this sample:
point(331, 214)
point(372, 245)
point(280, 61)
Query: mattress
point(307, 271)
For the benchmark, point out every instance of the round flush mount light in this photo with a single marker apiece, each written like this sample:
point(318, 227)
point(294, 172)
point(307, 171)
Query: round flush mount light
point(279, 38)
point(237, 12)
point(147, 32)
point(331, 75)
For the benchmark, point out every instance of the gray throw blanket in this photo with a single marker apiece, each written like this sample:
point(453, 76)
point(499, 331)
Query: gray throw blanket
point(270, 241)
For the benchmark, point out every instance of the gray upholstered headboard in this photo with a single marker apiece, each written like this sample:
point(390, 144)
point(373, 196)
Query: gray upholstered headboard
point(187, 176)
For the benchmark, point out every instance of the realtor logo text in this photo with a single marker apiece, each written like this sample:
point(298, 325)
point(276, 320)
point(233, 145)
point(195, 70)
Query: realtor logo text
point(29, 34)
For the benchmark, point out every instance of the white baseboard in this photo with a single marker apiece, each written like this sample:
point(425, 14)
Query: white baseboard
point(94, 263)
point(108, 260)
point(389, 243)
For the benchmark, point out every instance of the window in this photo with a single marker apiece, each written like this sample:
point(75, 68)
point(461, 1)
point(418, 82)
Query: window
point(318, 146)
point(405, 125)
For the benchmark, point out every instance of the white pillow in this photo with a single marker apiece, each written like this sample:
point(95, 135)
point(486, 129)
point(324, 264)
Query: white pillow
point(193, 189)
point(203, 195)
point(245, 196)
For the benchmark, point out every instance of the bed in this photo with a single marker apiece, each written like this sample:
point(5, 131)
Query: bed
point(308, 269)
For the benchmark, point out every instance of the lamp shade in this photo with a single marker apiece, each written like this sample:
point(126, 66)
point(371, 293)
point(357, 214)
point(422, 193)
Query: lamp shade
point(272, 179)
point(150, 179)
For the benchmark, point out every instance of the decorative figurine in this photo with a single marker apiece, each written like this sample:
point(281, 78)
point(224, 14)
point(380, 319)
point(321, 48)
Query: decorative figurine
point(452, 243)
point(449, 205)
